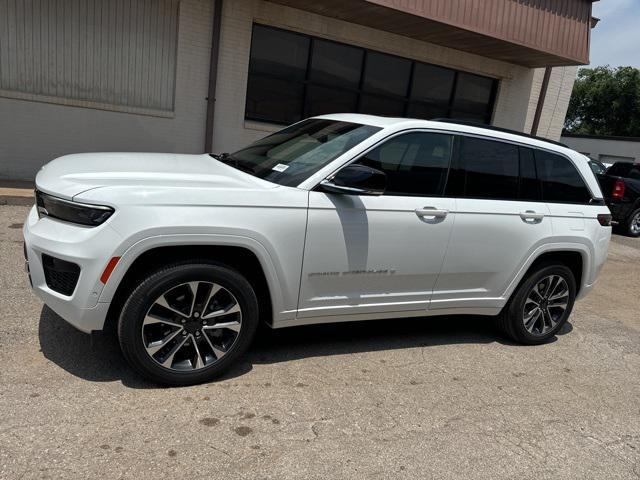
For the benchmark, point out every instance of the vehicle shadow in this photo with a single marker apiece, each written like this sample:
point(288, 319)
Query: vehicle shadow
point(97, 358)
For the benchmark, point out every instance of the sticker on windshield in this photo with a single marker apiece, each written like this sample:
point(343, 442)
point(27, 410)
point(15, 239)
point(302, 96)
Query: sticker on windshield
point(280, 167)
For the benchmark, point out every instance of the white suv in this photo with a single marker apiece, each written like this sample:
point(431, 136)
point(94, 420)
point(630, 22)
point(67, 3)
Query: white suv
point(336, 218)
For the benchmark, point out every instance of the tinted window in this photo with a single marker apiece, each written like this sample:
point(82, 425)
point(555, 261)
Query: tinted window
point(416, 164)
point(490, 168)
point(473, 95)
point(432, 84)
point(376, 105)
point(336, 64)
point(278, 52)
point(274, 100)
point(292, 75)
point(321, 100)
point(529, 184)
point(386, 74)
point(561, 182)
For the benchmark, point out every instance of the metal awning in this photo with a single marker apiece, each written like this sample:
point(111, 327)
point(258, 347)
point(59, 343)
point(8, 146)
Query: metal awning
point(532, 33)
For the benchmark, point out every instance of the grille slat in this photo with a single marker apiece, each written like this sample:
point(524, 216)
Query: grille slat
point(61, 276)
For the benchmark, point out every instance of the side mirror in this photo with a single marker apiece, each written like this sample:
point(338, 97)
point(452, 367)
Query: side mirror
point(356, 180)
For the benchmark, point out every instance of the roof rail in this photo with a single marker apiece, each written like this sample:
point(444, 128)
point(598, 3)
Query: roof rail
point(496, 129)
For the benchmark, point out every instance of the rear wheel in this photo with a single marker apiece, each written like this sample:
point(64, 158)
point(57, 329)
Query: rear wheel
point(540, 306)
point(633, 224)
point(188, 323)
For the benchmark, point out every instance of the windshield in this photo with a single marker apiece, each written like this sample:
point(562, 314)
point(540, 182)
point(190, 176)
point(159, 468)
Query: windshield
point(290, 156)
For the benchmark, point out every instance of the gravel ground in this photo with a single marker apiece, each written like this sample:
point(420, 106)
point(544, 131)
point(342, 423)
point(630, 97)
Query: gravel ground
point(427, 398)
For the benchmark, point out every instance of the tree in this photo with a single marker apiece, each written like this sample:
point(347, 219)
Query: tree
point(605, 101)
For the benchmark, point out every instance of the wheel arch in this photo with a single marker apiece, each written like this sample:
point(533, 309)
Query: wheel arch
point(257, 268)
point(577, 257)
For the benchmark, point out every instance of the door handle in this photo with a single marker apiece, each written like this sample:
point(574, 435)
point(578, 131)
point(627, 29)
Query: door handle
point(431, 212)
point(531, 215)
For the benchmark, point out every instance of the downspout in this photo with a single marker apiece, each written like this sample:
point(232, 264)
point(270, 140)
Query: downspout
point(213, 75)
point(541, 97)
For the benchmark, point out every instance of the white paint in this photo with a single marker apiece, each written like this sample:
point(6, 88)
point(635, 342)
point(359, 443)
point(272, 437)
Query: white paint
point(467, 262)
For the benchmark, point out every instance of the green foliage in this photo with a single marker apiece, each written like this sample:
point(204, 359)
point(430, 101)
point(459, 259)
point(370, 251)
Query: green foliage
point(605, 101)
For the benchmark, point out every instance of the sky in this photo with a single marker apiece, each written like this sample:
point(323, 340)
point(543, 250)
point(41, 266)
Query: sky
point(616, 39)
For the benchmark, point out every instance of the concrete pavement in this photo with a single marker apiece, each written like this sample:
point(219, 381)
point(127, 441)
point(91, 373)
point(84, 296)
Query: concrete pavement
point(438, 398)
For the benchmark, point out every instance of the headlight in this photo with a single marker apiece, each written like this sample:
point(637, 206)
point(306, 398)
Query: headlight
point(74, 212)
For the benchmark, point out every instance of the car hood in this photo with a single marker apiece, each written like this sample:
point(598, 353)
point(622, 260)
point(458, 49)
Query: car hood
point(71, 175)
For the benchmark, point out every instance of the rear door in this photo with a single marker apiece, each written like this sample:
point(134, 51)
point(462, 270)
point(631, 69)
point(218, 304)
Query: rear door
point(500, 220)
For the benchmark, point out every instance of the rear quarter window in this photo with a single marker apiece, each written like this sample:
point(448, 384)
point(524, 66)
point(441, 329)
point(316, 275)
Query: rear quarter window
point(561, 182)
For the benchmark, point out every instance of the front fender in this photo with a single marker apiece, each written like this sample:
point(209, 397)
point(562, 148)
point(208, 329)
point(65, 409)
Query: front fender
point(274, 278)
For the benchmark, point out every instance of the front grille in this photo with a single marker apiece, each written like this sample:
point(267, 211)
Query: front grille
point(61, 276)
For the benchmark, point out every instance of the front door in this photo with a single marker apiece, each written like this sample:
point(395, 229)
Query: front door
point(372, 254)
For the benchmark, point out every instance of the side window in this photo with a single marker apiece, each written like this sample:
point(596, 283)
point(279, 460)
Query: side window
point(561, 182)
point(490, 168)
point(529, 184)
point(416, 164)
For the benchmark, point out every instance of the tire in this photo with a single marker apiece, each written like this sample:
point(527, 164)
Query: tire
point(172, 336)
point(632, 224)
point(512, 319)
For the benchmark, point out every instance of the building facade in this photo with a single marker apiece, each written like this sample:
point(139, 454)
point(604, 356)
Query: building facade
point(603, 148)
point(199, 75)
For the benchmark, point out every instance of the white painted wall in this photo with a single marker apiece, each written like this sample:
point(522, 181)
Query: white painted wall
point(606, 150)
point(32, 133)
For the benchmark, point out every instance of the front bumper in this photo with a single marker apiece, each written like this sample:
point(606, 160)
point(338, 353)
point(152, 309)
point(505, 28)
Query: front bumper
point(89, 248)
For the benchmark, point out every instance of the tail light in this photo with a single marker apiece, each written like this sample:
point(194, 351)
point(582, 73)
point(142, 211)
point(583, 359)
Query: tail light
point(618, 189)
point(604, 219)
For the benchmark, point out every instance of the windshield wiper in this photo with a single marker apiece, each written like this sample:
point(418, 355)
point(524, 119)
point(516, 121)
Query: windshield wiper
point(233, 162)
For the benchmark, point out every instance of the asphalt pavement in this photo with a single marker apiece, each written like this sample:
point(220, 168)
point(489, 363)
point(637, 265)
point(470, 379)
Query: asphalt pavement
point(439, 398)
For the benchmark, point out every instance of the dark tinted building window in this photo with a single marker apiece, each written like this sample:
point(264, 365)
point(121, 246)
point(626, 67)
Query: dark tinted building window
point(375, 105)
point(386, 74)
point(276, 75)
point(321, 100)
point(472, 97)
point(560, 180)
point(416, 164)
point(490, 168)
point(292, 76)
point(336, 64)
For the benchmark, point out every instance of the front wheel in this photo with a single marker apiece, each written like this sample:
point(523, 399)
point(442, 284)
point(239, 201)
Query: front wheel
point(187, 323)
point(540, 306)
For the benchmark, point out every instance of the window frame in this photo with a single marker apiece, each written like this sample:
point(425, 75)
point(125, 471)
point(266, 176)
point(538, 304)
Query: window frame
point(360, 91)
point(593, 200)
point(403, 133)
point(455, 158)
point(458, 160)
